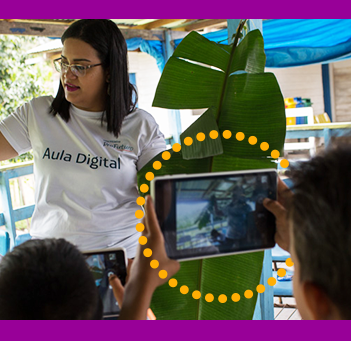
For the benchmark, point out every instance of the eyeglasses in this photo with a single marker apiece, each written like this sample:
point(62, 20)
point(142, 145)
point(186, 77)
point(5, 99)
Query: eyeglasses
point(76, 69)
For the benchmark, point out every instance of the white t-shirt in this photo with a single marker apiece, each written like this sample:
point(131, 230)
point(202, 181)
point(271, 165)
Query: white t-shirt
point(85, 177)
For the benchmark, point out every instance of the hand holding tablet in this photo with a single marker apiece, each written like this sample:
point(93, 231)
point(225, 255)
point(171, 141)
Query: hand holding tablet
point(215, 214)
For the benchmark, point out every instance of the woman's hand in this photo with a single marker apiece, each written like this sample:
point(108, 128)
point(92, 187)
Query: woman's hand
point(279, 209)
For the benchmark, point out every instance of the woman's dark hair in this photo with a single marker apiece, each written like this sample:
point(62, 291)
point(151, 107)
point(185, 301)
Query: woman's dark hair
point(105, 37)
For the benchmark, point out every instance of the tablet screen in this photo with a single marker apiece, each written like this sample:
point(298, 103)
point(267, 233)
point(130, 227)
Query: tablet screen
point(216, 214)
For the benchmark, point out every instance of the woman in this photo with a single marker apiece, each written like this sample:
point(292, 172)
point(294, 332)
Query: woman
point(88, 143)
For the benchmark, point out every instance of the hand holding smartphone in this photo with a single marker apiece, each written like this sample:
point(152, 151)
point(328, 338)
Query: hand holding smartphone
point(103, 264)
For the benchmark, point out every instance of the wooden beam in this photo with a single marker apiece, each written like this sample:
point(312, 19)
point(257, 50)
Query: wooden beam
point(145, 34)
point(204, 24)
point(56, 31)
point(156, 24)
point(32, 29)
point(42, 21)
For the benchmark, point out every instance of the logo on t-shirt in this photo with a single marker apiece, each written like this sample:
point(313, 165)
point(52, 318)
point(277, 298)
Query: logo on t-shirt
point(118, 145)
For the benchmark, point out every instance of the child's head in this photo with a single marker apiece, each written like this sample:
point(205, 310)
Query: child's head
point(47, 280)
point(320, 217)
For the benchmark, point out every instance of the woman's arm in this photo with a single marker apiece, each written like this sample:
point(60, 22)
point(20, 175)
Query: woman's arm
point(6, 150)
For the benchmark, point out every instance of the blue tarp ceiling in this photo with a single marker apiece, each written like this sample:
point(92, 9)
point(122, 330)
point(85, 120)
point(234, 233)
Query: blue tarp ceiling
point(288, 42)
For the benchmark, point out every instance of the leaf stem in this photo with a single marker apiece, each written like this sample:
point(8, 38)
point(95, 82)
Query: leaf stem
point(227, 72)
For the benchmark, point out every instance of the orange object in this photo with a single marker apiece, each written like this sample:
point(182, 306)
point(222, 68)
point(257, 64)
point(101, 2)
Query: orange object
point(150, 315)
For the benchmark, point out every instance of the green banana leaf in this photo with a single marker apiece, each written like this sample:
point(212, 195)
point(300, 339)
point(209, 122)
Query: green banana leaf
point(230, 80)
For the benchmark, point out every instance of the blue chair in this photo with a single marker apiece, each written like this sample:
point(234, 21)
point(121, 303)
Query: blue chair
point(282, 288)
point(22, 238)
point(4, 242)
point(279, 255)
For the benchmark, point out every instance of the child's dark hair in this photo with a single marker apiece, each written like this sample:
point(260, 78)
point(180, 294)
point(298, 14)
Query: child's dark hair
point(47, 280)
point(321, 217)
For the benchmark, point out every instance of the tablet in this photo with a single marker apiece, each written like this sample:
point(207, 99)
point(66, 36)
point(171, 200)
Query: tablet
point(103, 263)
point(215, 214)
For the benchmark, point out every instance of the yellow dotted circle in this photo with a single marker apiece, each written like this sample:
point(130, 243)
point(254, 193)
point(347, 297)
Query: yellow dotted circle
point(214, 134)
point(284, 163)
point(281, 272)
point(154, 264)
point(252, 140)
point(177, 147)
point(227, 134)
point(149, 176)
point(235, 297)
point(184, 289)
point(260, 288)
point(200, 137)
point(222, 298)
point(147, 253)
point(139, 214)
point(163, 274)
point(271, 281)
point(140, 227)
point(188, 141)
point(157, 165)
point(248, 294)
point(173, 282)
point(275, 154)
point(166, 155)
point(144, 188)
point(140, 201)
point(209, 298)
point(142, 240)
point(240, 136)
point(289, 262)
point(264, 146)
point(196, 294)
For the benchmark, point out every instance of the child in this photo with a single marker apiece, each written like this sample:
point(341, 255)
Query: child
point(314, 225)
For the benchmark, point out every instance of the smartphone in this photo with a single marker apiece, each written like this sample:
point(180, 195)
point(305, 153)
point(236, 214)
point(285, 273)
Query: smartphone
point(215, 214)
point(103, 263)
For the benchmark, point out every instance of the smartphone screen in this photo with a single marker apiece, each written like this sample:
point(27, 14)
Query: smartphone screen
point(215, 213)
point(102, 264)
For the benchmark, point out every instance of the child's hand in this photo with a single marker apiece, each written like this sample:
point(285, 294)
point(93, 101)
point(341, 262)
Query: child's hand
point(143, 280)
point(155, 242)
point(279, 209)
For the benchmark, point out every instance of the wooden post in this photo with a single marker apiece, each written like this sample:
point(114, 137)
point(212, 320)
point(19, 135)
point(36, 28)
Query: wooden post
point(10, 215)
point(9, 218)
point(173, 115)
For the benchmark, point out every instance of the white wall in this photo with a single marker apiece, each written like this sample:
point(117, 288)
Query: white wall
point(147, 76)
point(305, 82)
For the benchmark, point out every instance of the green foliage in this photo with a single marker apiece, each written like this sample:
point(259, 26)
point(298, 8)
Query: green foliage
point(230, 81)
point(19, 83)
